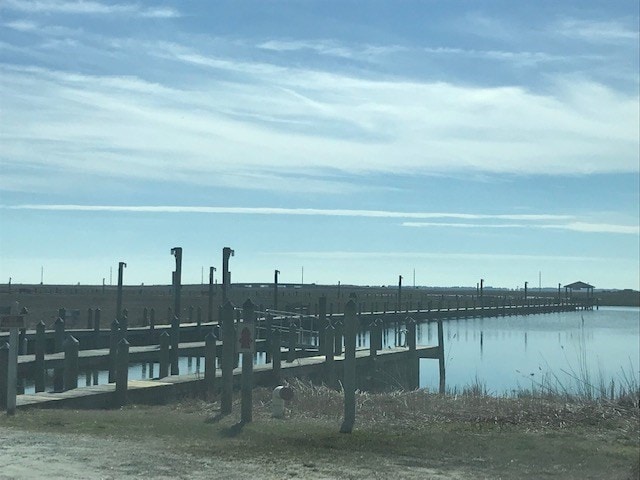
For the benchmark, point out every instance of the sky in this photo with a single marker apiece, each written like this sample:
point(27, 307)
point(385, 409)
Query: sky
point(336, 141)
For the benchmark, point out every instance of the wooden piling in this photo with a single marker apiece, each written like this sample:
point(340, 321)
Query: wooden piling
point(246, 391)
point(71, 348)
point(58, 379)
point(349, 383)
point(292, 337)
point(441, 357)
point(40, 345)
point(329, 367)
point(122, 373)
point(227, 360)
point(276, 355)
point(96, 329)
point(165, 359)
point(4, 374)
point(414, 363)
point(114, 337)
point(209, 365)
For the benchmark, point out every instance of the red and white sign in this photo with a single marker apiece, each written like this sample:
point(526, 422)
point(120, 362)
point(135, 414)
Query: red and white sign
point(246, 338)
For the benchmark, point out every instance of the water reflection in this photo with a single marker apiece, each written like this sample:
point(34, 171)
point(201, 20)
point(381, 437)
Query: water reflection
point(507, 353)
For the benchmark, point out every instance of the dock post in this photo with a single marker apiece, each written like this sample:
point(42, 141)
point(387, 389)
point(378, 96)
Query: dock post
point(39, 351)
point(322, 324)
point(337, 336)
point(124, 323)
point(268, 336)
point(209, 365)
point(122, 373)
point(71, 347)
point(246, 391)
point(114, 336)
point(96, 329)
point(152, 324)
point(4, 374)
point(165, 360)
point(414, 362)
point(227, 360)
point(276, 356)
point(349, 384)
point(175, 345)
point(441, 357)
point(329, 368)
point(292, 336)
point(89, 318)
point(58, 379)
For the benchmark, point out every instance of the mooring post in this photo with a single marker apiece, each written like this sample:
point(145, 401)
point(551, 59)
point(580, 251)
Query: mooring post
point(124, 324)
point(165, 340)
point(40, 346)
point(71, 347)
point(337, 336)
point(227, 360)
point(292, 337)
point(441, 356)
point(96, 329)
point(349, 385)
point(145, 317)
point(329, 367)
point(276, 356)
point(268, 335)
point(121, 266)
point(175, 320)
point(122, 373)
point(152, 324)
point(226, 274)
point(246, 393)
point(89, 318)
point(4, 374)
point(414, 362)
point(322, 323)
point(58, 343)
point(209, 365)
point(114, 337)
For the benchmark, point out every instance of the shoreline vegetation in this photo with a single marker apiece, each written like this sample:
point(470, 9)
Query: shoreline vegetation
point(403, 434)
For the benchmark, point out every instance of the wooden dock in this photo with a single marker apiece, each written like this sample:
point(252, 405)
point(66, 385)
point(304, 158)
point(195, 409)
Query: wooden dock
point(168, 388)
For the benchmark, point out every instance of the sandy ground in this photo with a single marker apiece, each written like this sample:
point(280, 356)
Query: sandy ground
point(25, 455)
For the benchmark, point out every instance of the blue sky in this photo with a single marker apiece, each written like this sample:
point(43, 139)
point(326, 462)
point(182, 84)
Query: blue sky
point(359, 140)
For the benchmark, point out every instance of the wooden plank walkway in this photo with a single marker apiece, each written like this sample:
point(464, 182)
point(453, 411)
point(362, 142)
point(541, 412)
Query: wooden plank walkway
point(162, 390)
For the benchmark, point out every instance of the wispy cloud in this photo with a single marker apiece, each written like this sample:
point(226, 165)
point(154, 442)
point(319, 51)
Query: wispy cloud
point(285, 211)
point(606, 32)
point(572, 226)
point(267, 119)
point(359, 255)
point(87, 7)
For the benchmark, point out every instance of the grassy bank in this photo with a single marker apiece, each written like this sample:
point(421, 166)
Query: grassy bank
point(401, 434)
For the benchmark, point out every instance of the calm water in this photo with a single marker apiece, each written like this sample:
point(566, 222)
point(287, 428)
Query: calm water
point(506, 353)
point(501, 353)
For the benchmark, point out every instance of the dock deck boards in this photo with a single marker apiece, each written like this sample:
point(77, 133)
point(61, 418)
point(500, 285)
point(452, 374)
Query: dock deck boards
point(100, 396)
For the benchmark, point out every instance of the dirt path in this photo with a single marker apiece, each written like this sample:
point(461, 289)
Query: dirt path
point(46, 455)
